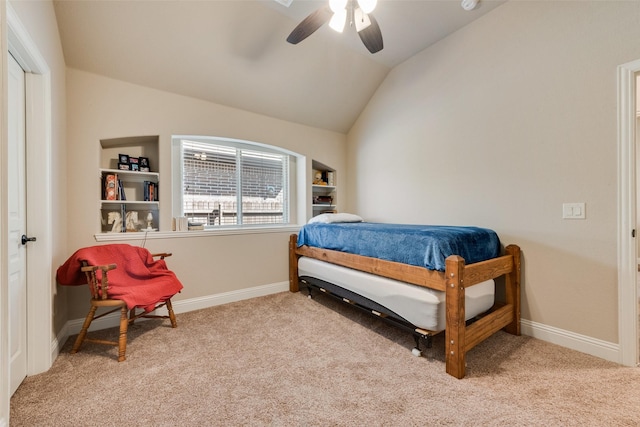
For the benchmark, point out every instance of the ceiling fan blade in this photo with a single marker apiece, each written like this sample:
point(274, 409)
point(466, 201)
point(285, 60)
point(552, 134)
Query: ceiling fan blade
point(372, 36)
point(309, 25)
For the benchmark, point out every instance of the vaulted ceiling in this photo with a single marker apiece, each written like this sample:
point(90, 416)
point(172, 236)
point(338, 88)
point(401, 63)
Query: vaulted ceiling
point(234, 53)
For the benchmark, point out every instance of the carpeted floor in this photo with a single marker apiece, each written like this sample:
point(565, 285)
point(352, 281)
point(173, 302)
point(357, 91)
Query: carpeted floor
point(286, 360)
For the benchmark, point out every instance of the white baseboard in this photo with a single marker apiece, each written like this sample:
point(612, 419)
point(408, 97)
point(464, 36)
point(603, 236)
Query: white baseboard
point(602, 349)
point(192, 304)
point(72, 327)
point(57, 343)
point(582, 343)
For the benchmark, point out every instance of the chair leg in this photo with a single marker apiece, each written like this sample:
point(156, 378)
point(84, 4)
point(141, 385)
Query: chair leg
point(83, 331)
point(172, 316)
point(122, 341)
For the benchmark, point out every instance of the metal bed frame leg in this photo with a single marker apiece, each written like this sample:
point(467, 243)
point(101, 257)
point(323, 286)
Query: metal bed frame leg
point(416, 350)
point(417, 336)
point(310, 292)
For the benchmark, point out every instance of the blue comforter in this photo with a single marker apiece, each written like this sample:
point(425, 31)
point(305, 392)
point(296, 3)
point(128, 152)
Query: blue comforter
point(422, 245)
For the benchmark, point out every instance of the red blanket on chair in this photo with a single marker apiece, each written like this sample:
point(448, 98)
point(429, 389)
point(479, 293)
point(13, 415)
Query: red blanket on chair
point(139, 280)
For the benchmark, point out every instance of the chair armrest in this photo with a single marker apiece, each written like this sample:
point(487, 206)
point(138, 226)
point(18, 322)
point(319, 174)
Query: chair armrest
point(162, 255)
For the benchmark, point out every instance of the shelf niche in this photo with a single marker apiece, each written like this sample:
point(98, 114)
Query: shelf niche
point(134, 146)
point(327, 189)
point(133, 183)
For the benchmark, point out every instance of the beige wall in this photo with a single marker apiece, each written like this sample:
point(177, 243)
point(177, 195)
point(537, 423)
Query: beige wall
point(101, 108)
point(497, 126)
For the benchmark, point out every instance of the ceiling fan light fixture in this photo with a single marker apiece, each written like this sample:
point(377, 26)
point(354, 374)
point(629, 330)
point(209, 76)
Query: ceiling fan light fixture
point(337, 5)
point(361, 19)
point(338, 20)
point(367, 6)
point(366, 25)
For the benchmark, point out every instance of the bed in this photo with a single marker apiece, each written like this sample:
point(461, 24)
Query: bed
point(445, 283)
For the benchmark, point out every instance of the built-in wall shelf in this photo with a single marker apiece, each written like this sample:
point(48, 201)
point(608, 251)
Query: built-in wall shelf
point(133, 176)
point(323, 189)
point(129, 183)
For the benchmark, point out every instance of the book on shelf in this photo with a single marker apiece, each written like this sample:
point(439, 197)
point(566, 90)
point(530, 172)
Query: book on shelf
point(150, 191)
point(330, 179)
point(113, 188)
point(123, 213)
point(322, 200)
point(121, 195)
point(110, 186)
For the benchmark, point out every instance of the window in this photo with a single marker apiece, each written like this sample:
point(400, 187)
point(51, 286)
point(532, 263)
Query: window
point(224, 182)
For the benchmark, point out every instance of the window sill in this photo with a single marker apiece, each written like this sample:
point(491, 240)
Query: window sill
point(148, 235)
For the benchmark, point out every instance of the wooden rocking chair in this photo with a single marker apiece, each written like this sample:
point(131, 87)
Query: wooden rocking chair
point(99, 287)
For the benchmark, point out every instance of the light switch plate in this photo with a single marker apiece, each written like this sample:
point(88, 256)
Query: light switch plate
point(574, 210)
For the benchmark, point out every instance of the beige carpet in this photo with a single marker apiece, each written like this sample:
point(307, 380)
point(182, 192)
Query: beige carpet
point(286, 360)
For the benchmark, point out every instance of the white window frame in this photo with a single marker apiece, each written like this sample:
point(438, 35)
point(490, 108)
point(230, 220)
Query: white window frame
point(177, 162)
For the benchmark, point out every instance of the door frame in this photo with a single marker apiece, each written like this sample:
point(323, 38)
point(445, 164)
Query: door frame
point(627, 219)
point(41, 346)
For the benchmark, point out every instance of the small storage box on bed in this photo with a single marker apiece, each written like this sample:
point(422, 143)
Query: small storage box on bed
point(429, 278)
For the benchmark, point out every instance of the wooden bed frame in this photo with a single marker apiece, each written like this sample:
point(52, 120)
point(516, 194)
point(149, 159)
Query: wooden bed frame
point(459, 337)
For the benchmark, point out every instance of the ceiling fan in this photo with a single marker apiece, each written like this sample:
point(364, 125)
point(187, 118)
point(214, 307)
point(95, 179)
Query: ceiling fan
point(337, 13)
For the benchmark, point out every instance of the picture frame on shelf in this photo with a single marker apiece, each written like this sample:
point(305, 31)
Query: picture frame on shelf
point(123, 158)
point(144, 162)
point(124, 166)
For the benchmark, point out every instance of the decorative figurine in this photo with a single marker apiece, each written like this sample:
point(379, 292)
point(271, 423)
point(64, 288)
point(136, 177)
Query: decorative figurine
point(318, 179)
point(116, 219)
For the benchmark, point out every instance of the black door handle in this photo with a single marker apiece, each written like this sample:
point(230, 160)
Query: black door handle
point(26, 239)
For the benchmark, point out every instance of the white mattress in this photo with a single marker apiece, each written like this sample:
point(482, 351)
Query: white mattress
point(422, 307)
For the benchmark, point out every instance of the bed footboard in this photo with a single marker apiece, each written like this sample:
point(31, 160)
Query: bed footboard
point(459, 337)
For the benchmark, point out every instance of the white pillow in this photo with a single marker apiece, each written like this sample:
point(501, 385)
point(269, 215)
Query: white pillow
point(328, 218)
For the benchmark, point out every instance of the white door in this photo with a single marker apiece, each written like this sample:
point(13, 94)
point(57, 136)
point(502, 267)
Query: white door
point(16, 250)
